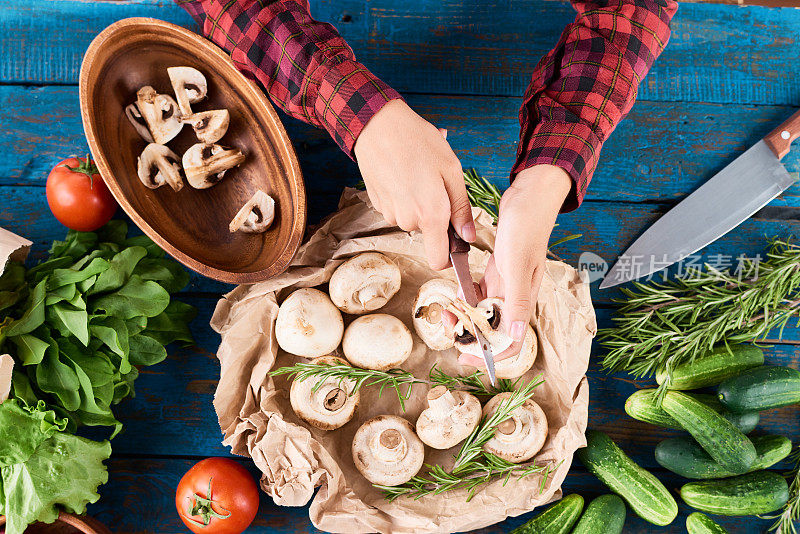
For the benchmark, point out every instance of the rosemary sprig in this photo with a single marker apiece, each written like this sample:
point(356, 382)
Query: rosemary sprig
point(785, 522)
point(397, 379)
point(660, 325)
point(471, 383)
point(473, 466)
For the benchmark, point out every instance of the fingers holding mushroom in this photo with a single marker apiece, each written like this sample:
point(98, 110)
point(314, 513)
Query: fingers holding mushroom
point(327, 405)
point(190, 87)
point(256, 215)
point(205, 164)
point(433, 298)
point(386, 450)
point(308, 324)
point(377, 341)
point(158, 165)
point(160, 113)
point(364, 283)
point(519, 437)
point(450, 418)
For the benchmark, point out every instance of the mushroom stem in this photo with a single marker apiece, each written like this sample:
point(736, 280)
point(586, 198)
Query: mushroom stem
point(441, 400)
point(389, 445)
point(507, 427)
point(335, 399)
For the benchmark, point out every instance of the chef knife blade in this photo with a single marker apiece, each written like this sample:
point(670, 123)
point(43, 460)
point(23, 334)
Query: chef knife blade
point(735, 193)
point(459, 257)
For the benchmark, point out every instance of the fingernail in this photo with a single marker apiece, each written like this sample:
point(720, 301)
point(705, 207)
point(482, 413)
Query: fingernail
point(468, 232)
point(517, 330)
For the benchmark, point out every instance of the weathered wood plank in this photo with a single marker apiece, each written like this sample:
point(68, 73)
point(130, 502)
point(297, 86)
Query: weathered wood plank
point(660, 153)
point(456, 47)
point(139, 498)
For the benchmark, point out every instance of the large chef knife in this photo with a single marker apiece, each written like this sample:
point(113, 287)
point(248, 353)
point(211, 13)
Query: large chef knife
point(459, 251)
point(742, 188)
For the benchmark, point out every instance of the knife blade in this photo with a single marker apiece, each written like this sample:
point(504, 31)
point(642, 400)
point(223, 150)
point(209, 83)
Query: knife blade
point(459, 258)
point(718, 206)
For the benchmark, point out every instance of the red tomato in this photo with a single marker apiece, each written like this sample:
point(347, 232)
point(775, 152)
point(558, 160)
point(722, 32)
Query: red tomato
point(78, 196)
point(217, 496)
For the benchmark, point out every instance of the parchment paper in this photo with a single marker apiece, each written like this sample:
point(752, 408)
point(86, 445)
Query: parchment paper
point(12, 247)
point(257, 420)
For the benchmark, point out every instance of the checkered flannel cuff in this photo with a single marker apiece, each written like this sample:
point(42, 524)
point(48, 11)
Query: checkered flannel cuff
point(572, 146)
point(349, 95)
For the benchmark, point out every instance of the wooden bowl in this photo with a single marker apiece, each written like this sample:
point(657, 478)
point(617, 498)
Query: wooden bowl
point(192, 224)
point(65, 524)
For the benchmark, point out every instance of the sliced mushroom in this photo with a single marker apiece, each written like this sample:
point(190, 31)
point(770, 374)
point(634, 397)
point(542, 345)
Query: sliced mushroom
point(377, 341)
point(189, 85)
point(433, 297)
point(328, 405)
point(487, 318)
point(138, 122)
point(256, 215)
point(209, 126)
point(158, 165)
point(519, 437)
point(205, 164)
point(450, 418)
point(386, 450)
point(160, 113)
point(308, 324)
point(364, 283)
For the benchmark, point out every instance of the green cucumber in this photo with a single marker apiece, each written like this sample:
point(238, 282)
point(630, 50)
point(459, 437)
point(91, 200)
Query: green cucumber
point(761, 388)
point(712, 367)
point(684, 457)
point(698, 523)
point(760, 492)
point(643, 492)
point(604, 515)
point(719, 437)
point(643, 407)
point(557, 518)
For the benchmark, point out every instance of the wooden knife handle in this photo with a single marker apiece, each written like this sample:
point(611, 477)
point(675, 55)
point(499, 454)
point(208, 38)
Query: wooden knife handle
point(456, 243)
point(780, 139)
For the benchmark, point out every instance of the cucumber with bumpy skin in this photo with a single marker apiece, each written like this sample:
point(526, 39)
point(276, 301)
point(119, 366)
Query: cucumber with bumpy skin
point(760, 492)
point(683, 456)
point(643, 492)
point(698, 523)
point(558, 518)
point(762, 388)
point(712, 367)
point(719, 437)
point(604, 515)
point(642, 406)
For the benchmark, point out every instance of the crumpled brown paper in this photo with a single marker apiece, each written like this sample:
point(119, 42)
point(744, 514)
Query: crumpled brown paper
point(6, 368)
point(257, 419)
point(12, 247)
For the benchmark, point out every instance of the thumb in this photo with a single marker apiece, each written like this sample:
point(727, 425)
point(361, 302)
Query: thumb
point(519, 293)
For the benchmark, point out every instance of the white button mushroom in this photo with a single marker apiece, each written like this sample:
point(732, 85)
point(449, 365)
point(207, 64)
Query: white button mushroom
point(256, 215)
point(377, 341)
point(158, 165)
point(364, 283)
point(138, 122)
point(433, 297)
point(190, 87)
point(160, 113)
point(205, 164)
point(326, 406)
point(519, 437)
point(209, 126)
point(386, 450)
point(487, 318)
point(308, 324)
point(450, 418)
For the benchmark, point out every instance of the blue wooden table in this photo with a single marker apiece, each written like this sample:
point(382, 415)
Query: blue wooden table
point(729, 75)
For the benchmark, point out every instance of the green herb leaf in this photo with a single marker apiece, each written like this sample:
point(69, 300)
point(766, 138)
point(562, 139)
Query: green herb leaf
point(146, 351)
point(57, 378)
point(119, 270)
point(33, 317)
point(61, 277)
point(169, 274)
point(113, 332)
point(68, 319)
point(137, 297)
point(75, 245)
point(172, 325)
point(30, 349)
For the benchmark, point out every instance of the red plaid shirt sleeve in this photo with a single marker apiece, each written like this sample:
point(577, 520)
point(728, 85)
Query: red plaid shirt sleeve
point(586, 85)
point(305, 65)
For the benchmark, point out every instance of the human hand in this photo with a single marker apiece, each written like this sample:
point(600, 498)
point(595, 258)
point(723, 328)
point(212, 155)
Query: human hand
point(414, 179)
point(528, 211)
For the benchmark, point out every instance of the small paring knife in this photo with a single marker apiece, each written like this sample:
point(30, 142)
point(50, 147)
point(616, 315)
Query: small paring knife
point(718, 206)
point(459, 258)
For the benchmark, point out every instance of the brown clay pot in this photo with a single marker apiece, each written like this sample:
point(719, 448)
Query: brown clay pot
point(65, 524)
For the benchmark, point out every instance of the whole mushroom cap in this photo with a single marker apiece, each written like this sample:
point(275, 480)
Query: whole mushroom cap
point(450, 418)
point(364, 283)
point(377, 341)
point(326, 406)
point(519, 437)
point(387, 451)
point(433, 297)
point(308, 324)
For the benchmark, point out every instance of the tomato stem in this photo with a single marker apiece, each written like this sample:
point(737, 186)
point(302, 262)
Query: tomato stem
point(203, 506)
point(86, 167)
